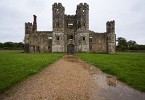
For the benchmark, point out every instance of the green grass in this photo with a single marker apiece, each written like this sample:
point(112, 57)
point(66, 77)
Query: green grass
point(127, 67)
point(16, 66)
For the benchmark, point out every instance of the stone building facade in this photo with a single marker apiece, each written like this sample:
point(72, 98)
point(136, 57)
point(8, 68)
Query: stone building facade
point(70, 34)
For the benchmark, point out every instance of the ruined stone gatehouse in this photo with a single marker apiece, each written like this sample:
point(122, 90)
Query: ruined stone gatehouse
point(70, 33)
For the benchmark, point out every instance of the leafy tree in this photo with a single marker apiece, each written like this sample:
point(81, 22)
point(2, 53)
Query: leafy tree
point(20, 45)
point(132, 45)
point(11, 45)
point(8, 44)
point(122, 44)
point(141, 47)
point(1, 45)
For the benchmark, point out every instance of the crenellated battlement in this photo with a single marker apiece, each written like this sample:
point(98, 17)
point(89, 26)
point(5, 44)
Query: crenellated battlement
point(28, 28)
point(83, 6)
point(110, 26)
point(57, 6)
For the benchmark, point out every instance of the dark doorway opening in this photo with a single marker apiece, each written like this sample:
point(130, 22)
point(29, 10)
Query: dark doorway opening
point(70, 48)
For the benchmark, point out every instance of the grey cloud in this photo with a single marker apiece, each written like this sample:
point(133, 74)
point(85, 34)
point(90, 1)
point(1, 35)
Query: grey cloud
point(128, 14)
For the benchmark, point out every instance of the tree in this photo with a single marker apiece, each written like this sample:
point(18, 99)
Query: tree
point(122, 44)
point(132, 45)
point(1, 45)
point(20, 45)
point(12, 45)
point(8, 45)
point(141, 47)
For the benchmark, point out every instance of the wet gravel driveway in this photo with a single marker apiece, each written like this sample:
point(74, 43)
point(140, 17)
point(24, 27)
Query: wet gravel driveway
point(71, 79)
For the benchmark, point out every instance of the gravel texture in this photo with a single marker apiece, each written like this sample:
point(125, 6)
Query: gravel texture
point(67, 79)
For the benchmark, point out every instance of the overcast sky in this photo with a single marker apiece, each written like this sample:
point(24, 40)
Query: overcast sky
point(129, 16)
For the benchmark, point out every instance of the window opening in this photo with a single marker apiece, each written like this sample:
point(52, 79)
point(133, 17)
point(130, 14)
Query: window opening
point(48, 47)
point(84, 38)
point(91, 39)
point(57, 37)
point(71, 37)
point(58, 24)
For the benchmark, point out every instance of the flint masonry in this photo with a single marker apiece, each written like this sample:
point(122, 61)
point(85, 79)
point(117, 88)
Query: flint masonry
point(70, 33)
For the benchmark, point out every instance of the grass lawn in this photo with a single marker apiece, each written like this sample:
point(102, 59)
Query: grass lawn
point(16, 66)
point(127, 67)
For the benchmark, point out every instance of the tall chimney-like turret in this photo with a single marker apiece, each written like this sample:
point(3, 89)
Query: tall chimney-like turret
point(35, 23)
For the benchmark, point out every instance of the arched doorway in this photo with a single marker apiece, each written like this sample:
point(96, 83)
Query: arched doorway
point(70, 48)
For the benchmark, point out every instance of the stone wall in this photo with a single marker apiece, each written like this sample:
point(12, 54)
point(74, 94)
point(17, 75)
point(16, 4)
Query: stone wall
point(58, 42)
point(98, 42)
point(40, 42)
point(82, 42)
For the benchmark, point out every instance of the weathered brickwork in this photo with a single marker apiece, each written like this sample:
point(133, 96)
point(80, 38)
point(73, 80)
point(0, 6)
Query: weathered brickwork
point(70, 33)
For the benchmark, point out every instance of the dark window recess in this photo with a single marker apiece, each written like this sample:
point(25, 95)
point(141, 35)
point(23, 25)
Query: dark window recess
point(84, 38)
point(79, 24)
point(48, 47)
point(58, 24)
point(71, 37)
point(70, 25)
point(112, 28)
point(90, 47)
point(84, 24)
point(57, 38)
point(67, 25)
point(90, 39)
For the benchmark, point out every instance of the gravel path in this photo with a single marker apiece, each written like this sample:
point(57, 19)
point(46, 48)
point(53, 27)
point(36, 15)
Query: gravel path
point(71, 79)
point(66, 79)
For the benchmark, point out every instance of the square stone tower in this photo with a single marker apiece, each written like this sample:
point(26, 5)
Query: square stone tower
point(70, 32)
point(111, 37)
point(58, 36)
point(82, 36)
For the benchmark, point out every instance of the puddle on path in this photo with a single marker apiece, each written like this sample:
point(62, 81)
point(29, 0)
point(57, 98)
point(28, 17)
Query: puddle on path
point(109, 88)
point(112, 89)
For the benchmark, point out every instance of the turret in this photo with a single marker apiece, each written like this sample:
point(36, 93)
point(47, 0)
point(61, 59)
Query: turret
point(58, 17)
point(34, 23)
point(28, 31)
point(82, 13)
point(28, 28)
point(111, 37)
point(110, 27)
